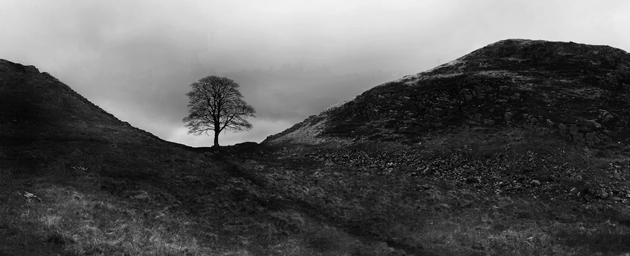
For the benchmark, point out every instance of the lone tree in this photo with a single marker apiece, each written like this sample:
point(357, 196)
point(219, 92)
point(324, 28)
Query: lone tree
point(216, 104)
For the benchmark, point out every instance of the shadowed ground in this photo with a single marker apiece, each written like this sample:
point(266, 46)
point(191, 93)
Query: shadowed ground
point(414, 179)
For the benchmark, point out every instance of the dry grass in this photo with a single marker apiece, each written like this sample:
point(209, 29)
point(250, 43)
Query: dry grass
point(86, 224)
point(285, 203)
point(381, 201)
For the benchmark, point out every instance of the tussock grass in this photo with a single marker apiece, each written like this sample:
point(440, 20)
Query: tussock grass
point(386, 197)
point(442, 197)
point(96, 223)
point(85, 224)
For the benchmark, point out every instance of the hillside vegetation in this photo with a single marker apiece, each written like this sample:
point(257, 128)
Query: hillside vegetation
point(578, 91)
point(518, 148)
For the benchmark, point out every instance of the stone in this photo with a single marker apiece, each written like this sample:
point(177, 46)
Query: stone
point(562, 127)
point(31, 69)
point(478, 246)
point(591, 138)
point(605, 117)
point(593, 125)
point(439, 112)
point(452, 110)
point(508, 116)
point(467, 94)
point(578, 137)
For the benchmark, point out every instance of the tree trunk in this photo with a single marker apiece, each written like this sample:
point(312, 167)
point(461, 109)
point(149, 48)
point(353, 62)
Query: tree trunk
point(216, 138)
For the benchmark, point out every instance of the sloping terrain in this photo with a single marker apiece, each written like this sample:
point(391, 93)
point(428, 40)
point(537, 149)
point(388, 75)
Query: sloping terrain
point(578, 91)
point(37, 106)
point(74, 180)
point(518, 148)
point(69, 173)
point(460, 160)
point(467, 193)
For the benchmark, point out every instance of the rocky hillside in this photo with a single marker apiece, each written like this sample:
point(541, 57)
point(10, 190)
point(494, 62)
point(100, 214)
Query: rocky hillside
point(575, 90)
point(74, 180)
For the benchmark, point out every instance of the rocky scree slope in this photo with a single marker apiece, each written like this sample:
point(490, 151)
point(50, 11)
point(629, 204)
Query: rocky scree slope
point(575, 90)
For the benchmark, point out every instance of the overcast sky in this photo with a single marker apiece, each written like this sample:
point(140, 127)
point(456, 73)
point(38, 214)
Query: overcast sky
point(137, 58)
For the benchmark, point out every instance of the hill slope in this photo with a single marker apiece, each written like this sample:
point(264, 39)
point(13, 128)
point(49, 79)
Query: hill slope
point(509, 150)
point(76, 181)
point(67, 166)
point(578, 91)
point(37, 106)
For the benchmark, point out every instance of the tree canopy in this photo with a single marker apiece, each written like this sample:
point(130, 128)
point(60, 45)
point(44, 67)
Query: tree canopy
point(215, 104)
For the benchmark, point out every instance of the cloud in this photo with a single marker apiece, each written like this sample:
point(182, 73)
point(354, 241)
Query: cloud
point(293, 92)
point(155, 100)
point(283, 97)
point(137, 58)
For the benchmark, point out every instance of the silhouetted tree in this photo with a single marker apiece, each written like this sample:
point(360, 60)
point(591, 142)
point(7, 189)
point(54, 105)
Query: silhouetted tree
point(216, 104)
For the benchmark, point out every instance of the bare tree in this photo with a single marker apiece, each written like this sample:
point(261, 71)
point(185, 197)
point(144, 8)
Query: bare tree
point(216, 104)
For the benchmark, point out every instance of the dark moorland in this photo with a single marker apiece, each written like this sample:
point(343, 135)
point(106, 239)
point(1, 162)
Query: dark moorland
point(518, 148)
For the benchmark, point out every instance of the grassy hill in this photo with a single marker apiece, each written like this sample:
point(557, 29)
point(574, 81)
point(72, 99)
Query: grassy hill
point(527, 140)
point(579, 91)
point(431, 164)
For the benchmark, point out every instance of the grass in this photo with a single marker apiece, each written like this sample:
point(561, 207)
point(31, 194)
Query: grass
point(84, 224)
point(74, 180)
point(471, 193)
point(103, 201)
point(525, 200)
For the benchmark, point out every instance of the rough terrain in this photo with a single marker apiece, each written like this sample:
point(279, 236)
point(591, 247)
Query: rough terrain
point(579, 91)
point(518, 148)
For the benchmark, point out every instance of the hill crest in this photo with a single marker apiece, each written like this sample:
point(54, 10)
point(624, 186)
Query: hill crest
point(575, 90)
point(35, 105)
